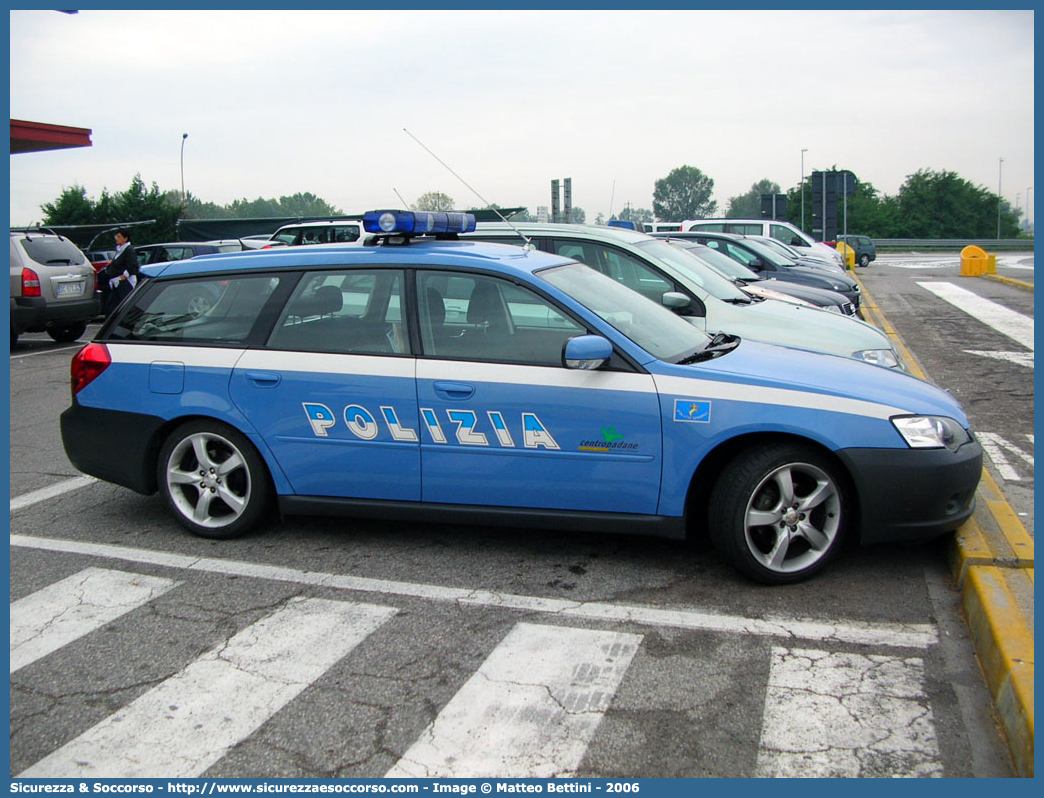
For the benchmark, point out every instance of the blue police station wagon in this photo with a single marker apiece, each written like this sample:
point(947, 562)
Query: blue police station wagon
point(426, 377)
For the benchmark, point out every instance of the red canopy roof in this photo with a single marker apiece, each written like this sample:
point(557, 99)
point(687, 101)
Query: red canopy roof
point(37, 136)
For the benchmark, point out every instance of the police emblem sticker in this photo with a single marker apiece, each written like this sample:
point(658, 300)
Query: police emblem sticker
point(692, 410)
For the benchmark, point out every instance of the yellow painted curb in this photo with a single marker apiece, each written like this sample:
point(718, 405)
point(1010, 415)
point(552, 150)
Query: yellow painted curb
point(1004, 642)
point(992, 561)
point(1010, 281)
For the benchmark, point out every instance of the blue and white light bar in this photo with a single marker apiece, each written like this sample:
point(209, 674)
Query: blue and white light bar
point(417, 223)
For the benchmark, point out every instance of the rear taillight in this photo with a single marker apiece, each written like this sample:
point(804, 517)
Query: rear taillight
point(30, 283)
point(87, 364)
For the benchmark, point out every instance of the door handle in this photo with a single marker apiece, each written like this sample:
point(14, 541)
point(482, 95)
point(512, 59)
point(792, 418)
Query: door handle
point(454, 390)
point(264, 379)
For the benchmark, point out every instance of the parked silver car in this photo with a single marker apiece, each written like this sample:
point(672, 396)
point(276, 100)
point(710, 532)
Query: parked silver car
point(660, 271)
point(52, 286)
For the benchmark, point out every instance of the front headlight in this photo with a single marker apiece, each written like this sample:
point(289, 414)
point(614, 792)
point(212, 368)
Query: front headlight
point(931, 432)
point(878, 357)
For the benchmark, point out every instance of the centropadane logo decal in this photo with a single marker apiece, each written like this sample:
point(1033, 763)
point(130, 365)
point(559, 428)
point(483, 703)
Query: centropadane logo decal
point(692, 410)
point(464, 425)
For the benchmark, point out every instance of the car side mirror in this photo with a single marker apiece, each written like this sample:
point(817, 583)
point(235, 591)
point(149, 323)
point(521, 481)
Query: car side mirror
point(586, 352)
point(675, 300)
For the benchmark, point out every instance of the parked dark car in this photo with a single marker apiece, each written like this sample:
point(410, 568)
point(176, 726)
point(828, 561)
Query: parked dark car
point(865, 250)
point(770, 264)
point(182, 250)
point(749, 280)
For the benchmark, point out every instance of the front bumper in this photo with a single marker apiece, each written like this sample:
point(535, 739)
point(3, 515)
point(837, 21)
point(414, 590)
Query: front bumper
point(913, 494)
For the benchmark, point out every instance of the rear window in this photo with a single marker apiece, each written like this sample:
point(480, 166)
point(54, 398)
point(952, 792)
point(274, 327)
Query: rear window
point(211, 310)
point(53, 251)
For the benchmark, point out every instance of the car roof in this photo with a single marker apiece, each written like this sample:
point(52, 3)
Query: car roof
point(505, 258)
point(556, 228)
point(321, 223)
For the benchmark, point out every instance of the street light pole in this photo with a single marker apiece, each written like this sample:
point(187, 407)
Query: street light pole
point(1028, 190)
point(183, 137)
point(1000, 166)
point(803, 151)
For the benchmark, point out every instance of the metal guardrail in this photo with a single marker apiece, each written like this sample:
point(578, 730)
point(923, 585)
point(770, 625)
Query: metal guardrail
point(987, 244)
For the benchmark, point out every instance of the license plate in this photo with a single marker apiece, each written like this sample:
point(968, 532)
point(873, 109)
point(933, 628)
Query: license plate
point(66, 289)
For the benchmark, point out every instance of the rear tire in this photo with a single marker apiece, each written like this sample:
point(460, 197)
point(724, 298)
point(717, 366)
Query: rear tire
point(213, 480)
point(777, 513)
point(68, 333)
point(864, 260)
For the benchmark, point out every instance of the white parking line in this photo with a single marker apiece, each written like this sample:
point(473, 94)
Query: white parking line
point(529, 711)
point(186, 724)
point(1004, 320)
point(889, 635)
point(846, 715)
point(48, 619)
point(43, 494)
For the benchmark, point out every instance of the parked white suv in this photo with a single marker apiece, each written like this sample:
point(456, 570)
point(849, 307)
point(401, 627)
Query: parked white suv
point(773, 228)
point(52, 286)
point(339, 231)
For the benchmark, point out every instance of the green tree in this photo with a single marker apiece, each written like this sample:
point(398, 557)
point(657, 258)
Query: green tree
point(629, 214)
point(433, 201)
point(748, 206)
point(684, 194)
point(577, 215)
point(138, 203)
point(73, 206)
point(945, 205)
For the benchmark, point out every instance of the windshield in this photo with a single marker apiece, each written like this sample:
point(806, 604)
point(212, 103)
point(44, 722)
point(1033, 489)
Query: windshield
point(691, 269)
point(767, 253)
point(779, 246)
point(732, 269)
point(654, 328)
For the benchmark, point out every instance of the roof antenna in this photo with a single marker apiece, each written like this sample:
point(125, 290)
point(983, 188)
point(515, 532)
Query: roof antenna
point(528, 246)
point(405, 205)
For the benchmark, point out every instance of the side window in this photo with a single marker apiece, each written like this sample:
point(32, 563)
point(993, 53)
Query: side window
point(198, 310)
point(349, 311)
point(476, 317)
point(344, 234)
point(744, 229)
point(710, 227)
point(786, 235)
point(619, 265)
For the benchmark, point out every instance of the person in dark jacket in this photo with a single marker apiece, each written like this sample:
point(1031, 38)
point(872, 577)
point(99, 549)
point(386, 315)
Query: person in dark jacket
point(121, 275)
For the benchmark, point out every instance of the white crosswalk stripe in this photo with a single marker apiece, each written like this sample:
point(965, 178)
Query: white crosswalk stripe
point(846, 716)
point(187, 723)
point(1004, 320)
point(531, 709)
point(67, 610)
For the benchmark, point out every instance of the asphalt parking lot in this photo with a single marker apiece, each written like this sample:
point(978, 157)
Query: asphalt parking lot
point(435, 635)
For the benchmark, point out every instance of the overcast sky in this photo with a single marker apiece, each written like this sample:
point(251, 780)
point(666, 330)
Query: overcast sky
point(277, 103)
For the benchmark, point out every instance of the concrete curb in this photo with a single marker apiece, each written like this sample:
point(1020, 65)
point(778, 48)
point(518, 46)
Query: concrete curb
point(991, 559)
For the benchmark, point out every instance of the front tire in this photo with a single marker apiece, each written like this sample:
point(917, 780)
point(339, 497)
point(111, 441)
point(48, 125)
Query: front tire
point(213, 480)
point(864, 260)
point(777, 513)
